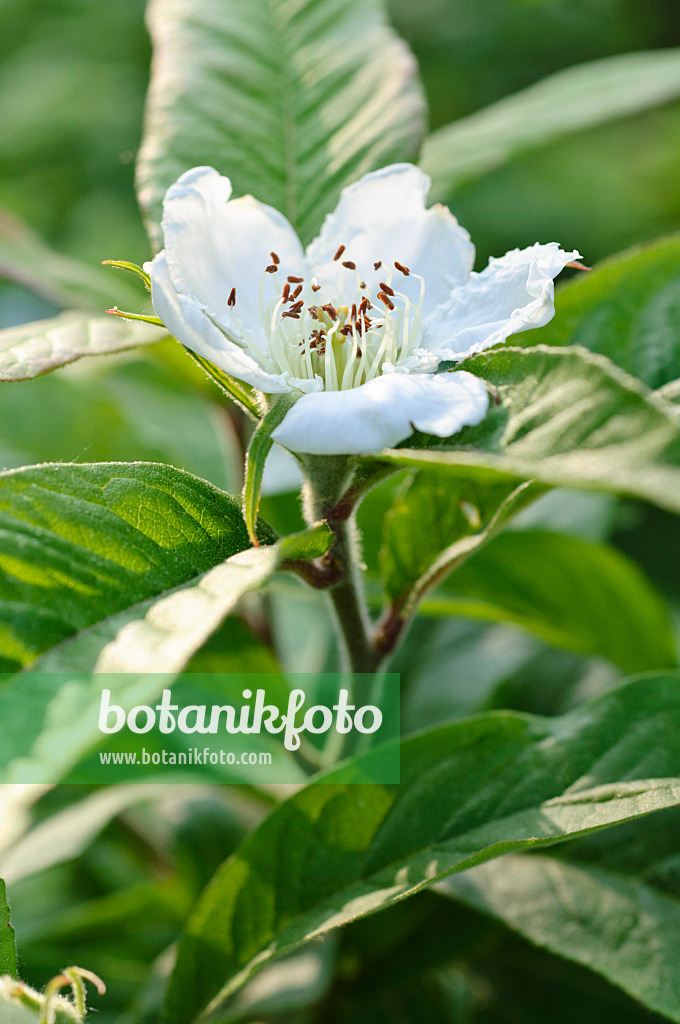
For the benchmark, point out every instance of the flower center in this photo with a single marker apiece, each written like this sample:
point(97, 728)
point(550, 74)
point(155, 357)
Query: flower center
point(347, 342)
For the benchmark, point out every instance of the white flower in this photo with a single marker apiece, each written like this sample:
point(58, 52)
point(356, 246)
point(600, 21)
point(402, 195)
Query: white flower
point(358, 324)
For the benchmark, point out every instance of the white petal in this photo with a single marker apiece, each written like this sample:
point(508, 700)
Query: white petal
point(281, 472)
point(214, 244)
point(513, 294)
point(382, 413)
point(194, 328)
point(383, 217)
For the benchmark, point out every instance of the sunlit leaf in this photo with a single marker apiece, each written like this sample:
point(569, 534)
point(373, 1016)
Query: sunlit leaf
point(291, 101)
point(32, 349)
point(469, 792)
point(566, 102)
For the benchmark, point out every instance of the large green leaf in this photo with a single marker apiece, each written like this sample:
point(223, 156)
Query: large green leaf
point(79, 543)
point(563, 417)
point(628, 309)
point(566, 102)
point(436, 524)
point(612, 906)
point(32, 349)
point(148, 643)
point(469, 792)
point(164, 634)
point(570, 592)
point(291, 100)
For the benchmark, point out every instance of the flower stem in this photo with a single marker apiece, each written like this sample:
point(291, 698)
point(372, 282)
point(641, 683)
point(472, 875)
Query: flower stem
point(326, 481)
point(349, 603)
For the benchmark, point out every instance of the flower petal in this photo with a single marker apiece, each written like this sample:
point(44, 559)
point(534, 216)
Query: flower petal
point(194, 328)
point(382, 413)
point(214, 243)
point(383, 217)
point(513, 294)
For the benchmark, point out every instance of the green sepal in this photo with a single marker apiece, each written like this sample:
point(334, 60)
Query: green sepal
point(260, 446)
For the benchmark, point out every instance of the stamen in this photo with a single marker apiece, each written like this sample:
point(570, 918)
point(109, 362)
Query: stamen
point(275, 258)
point(378, 265)
point(296, 292)
point(362, 284)
point(400, 267)
point(331, 310)
point(271, 269)
point(297, 306)
point(386, 288)
point(339, 253)
point(286, 292)
point(292, 313)
point(386, 299)
point(349, 264)
point(231, 301)
point(316, 287)
point(294, 280)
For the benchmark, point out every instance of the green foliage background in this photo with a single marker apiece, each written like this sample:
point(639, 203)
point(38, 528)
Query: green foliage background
point(107, 879)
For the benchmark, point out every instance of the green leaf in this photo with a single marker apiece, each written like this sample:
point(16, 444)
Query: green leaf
point(67, 282)
point(258, 450)
point(79, 543)
point(625, 928)
point(566, 102)
point(469, 792)
point(292, 102)
point(32, 349)
point(163, 635)
point(150, 642)
point(627, 309)
point(570, 592)
point(8, 948)
point(435, 525)
point(567, 418)
point(66, 833)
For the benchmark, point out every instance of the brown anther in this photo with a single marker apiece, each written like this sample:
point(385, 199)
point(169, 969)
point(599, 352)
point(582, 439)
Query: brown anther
point(271, 269)
point(316, 287)
point(231, 301)
point(353, 313)
point(378, 265)
point(339, 253)
point(358, 353)
point(362, 284)
point(349, 264)
point(331, 310)
point(386, 288)
point(275, 258)
point(292, 314)
point(286, 292)
point(294, 280)
point(386, 299)
point(296, 292)
point(402, 269)
point(297, 306)
point(345, 331)
point(313, 312)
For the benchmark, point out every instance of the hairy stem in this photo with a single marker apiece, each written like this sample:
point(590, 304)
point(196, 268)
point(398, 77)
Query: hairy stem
point(327, 479)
